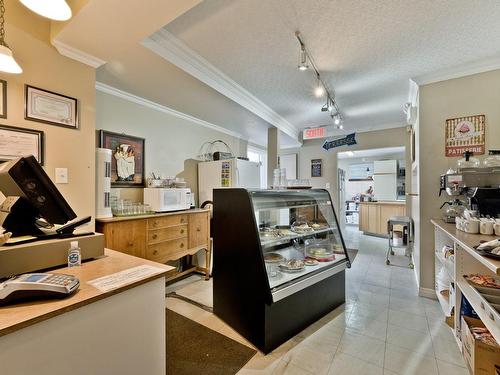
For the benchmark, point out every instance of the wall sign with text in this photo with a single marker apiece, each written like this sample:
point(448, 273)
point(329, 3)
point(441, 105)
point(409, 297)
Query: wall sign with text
point(314, 133)
point(465, 134)
point(316, 166)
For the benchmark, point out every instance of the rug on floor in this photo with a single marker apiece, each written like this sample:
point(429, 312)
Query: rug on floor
point(195, 349)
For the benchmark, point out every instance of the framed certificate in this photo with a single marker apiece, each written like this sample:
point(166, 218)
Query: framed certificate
point(50, 107)
point(17, 142)
point(3, 98)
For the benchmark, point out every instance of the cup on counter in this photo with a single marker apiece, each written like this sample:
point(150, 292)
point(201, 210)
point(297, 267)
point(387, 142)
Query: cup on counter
point(471, 225)
point(496, 227)
point(486, 226)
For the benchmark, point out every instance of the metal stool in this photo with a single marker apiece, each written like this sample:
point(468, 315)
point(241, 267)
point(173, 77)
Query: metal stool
point(407, 224)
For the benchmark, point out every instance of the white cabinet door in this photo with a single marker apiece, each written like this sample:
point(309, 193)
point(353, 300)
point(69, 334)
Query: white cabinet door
point(385, 166)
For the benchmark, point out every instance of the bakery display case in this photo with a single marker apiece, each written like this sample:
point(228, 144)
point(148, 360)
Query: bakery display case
point(279, 261)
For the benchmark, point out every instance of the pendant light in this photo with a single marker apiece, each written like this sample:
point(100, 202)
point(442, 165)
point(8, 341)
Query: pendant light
point(7, 62)
point(57, 10)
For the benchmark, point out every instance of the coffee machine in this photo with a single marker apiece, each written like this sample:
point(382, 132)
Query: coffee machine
point(481, 187)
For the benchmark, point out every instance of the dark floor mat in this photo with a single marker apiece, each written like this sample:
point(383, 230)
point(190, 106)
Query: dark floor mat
point(195, 349)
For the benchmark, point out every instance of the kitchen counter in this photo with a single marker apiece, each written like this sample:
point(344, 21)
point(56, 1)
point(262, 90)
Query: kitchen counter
point(373, 216)
point(113, 331)
point(115, 219)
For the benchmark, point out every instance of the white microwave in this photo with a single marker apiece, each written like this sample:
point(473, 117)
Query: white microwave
point(167, 199)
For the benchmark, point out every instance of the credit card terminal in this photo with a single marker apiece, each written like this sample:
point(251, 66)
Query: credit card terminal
point(37, 285)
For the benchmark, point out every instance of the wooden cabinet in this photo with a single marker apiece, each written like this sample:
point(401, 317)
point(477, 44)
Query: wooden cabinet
point(373, 216)
point(161, 237)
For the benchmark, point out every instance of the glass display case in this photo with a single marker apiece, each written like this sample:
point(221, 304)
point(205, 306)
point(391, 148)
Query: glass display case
point(275, 252)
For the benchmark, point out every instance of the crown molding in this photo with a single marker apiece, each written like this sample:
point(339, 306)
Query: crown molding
point(463, 70)
point(173, 50)
point(164, 109)
point(77, 54)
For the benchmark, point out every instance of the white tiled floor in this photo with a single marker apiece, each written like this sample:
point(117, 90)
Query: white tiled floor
point(384, 327)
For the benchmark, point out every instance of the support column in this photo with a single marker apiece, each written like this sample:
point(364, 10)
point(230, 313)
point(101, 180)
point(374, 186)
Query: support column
point(273, 148)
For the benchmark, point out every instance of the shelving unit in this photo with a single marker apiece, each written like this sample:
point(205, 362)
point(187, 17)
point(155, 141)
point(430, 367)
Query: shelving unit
point(351, 212)
point(467, 261)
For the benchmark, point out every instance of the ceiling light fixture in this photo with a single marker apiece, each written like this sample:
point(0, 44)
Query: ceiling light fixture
point(7, 62)
point(57, 10)
point(321, 89)
point(303, 58)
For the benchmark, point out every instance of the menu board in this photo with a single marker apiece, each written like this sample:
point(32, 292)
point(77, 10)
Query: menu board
point(316, 167)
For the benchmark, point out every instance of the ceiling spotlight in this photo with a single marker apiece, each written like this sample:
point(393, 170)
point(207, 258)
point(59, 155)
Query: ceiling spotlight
point(57, 10)
point(7, 62)
point(303, 59)
point(341, 126)
point(336, 119)
point(319, 91)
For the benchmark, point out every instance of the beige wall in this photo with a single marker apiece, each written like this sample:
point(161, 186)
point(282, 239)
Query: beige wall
point(368, 140)
point(172, 144)
point(471, 95)
point(28, 36)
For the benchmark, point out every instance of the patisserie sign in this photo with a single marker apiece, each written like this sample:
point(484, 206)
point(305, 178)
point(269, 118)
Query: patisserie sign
point(465, 134)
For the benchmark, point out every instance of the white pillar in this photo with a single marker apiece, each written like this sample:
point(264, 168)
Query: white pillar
point(273, 148)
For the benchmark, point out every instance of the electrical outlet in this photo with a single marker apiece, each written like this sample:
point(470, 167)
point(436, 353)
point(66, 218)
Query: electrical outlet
point(61, 175)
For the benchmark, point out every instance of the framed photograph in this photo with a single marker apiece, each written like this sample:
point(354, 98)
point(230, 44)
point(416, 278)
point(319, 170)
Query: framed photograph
point(465, 134)
point(17, 142)
point(3, 98)
point(316, 167)
point(127, 160)
point(50, 108)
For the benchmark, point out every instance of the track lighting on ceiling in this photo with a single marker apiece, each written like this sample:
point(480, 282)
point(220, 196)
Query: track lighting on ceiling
point(321, 88)
point(57, 10)
point(7, 62)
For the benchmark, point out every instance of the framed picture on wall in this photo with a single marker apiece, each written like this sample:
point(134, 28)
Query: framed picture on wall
point(3, 98)
point(17, 142)
point(127, 161)
point(50, 107)
point(316, 167)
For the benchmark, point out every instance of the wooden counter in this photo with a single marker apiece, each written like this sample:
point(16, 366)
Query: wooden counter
point(22, 315)
point(91, 331)
point(373, 216)
point(161, 237)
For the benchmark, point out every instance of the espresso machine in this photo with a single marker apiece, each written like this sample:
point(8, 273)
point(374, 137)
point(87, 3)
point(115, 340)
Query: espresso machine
point(480, 186)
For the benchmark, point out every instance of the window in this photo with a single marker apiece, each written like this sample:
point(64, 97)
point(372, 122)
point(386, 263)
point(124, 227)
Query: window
point(259, 156)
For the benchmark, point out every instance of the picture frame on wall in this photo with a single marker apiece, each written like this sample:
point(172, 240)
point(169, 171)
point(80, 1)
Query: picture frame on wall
point(18, 142)
point(50, 107)
point(127, 160)
point(316, 167)
point(3, 99)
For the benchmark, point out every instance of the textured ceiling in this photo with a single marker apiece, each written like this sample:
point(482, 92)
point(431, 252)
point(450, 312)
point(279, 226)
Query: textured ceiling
point(367, 50)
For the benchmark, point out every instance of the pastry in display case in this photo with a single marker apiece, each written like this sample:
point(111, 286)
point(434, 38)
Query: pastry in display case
point(279, 263)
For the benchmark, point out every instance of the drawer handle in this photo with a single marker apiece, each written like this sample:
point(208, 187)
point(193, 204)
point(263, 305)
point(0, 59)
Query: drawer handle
point(492, 317)
point(155, 236)
point(198, 229)
point(482, 305)
point(130, 243)
point(182, 220)
point(155, 252)
point(155, 223)
point(182, 231)
point(182, 245)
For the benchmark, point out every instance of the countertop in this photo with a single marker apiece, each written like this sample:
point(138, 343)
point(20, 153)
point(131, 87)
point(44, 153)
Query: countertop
point(18, 316)
point(396, 203)
point(150, 216)
point(467, 241)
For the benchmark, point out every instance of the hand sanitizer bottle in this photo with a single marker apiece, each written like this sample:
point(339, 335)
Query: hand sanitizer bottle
point(74, 255)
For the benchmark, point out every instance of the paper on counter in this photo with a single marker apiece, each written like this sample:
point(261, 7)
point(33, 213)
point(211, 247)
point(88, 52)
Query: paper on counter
point(125, 277)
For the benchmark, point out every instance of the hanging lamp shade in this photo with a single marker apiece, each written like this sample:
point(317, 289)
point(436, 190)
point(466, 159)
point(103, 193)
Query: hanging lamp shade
point(57, 10)
point(7, 62)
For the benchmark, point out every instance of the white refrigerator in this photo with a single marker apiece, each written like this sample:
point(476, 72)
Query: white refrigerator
point(226, 173)
point(385, 180)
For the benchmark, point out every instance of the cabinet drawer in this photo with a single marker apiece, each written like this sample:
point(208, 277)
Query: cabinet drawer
point(168, 250)
point(167, 221)
point(168, 233)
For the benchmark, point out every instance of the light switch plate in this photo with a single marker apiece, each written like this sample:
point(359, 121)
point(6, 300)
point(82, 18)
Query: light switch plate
point(61, 175)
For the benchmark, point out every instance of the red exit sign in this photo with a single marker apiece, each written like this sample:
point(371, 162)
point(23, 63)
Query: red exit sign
point(314, 133)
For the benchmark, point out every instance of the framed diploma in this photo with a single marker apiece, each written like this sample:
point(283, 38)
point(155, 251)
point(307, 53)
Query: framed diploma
point(50, 107)
point(18, 142)
point(3, 98)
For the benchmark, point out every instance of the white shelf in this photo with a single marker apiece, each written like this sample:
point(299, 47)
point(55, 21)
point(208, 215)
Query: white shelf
point(489, 316)
point(447, 264)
